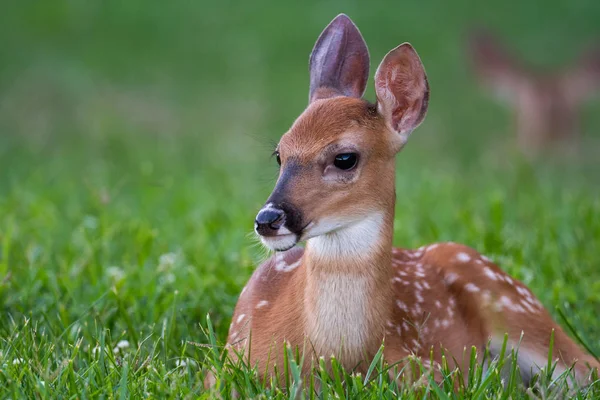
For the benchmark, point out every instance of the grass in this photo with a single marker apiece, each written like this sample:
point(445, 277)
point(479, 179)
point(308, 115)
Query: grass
point(134, 153)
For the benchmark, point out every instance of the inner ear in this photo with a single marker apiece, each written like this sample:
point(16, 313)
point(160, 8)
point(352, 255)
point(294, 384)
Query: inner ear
point(402, 90)
point(339, 62)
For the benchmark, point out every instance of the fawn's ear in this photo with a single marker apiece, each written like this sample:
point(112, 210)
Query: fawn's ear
point(402, 90)
point(494, 65)
point(339, 62)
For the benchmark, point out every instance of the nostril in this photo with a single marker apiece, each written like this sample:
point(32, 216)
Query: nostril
point(270, 219)
point(278, 222)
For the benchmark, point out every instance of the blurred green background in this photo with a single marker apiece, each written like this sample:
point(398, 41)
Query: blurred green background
point(135, 139)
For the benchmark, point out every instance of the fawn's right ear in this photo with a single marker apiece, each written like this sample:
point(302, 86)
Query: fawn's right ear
point(339, 62)
point(402, 91)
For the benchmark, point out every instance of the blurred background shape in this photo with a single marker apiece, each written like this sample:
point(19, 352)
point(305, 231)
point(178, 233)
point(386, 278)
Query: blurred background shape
point(546, 105)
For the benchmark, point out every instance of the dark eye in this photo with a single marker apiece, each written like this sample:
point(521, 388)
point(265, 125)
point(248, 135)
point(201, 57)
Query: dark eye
point(345, 161)
point(277, 157)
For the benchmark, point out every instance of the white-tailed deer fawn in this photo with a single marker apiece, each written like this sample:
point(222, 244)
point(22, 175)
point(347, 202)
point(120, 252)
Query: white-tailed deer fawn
point(348, 290)
point(547, 105)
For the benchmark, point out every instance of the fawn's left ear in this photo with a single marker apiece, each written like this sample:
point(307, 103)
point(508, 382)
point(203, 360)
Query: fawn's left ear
point(402, 91)
point(339, 62)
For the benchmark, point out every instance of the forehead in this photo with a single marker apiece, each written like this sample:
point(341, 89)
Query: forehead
point(329, 121)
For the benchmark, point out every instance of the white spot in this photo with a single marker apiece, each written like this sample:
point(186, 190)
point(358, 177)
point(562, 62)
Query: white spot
point(282, 266)
point(401, 305)
point(528, 306)
point(166, 261)
point(402, 273)
point(418, 286)
point(522, 291)
point(506, 302)
point(116, 274)
point(426, 285)
point(486, 295)
point(438, 304)
point(470, 287)
point(490, 274)
point(417, 310)
point(484, 258)
point(419, 298)
point(243, 290)
point(450, 278)
point(405, 326)
point(508, 280)
point(400, 280)
point(463, 257)
point(181, 363)
point(432, 247)
point(240, 318)
point(121, 345)
point(445, 323)
point(262, 303)
point(389, 323)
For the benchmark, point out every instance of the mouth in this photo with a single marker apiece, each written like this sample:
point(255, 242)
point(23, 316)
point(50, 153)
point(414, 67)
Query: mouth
point(281, 242)
point(285, 240)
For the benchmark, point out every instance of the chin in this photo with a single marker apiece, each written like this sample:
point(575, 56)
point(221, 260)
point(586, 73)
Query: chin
point(279, 242)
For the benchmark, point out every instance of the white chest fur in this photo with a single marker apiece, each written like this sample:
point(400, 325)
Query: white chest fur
point(339, 324)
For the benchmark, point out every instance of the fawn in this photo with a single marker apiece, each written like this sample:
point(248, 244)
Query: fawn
point(546, 105)
point(348, 290)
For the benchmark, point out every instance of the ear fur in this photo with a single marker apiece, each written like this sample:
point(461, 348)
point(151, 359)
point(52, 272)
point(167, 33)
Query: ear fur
point(402, 90)
point(339, 62)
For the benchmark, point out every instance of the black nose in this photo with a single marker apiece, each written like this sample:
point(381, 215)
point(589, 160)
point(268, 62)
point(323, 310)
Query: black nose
point(268, 221)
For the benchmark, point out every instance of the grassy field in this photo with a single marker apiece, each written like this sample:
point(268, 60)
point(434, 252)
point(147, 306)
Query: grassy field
point(134, 153)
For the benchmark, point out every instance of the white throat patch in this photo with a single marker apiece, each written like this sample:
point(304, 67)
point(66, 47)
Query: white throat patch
point(355, 240)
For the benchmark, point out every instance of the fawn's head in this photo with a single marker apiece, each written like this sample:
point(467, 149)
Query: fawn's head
point(337, 160)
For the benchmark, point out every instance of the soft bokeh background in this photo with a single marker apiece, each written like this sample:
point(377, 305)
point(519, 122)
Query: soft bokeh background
point(135, 139)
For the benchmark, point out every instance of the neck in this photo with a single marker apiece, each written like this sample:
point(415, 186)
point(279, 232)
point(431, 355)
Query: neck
point(348, 288)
